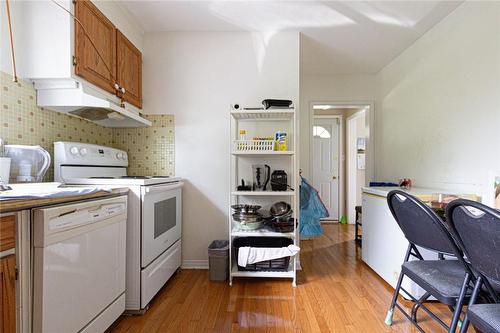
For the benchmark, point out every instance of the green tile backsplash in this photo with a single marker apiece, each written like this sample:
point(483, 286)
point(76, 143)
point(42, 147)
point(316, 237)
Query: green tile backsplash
point(151, 149)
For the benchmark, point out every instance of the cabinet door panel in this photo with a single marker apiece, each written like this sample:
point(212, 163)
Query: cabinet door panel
point(8, 294)
point(7, 232)
point(103, 34)
point(7, 274)
point(129, 69)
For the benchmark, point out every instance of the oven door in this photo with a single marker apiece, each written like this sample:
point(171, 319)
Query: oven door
point(161, 219)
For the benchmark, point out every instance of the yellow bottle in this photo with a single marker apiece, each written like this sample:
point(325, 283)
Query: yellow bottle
point(281, 139)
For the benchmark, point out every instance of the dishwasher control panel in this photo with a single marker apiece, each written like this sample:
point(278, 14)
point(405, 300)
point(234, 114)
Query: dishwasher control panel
point(53, 223)
point(86, 216)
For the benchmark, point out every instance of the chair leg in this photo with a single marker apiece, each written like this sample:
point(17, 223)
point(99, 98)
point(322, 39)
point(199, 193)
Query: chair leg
point(473, 297)
point(390, 312)
point(459, 305)
point(417, 306)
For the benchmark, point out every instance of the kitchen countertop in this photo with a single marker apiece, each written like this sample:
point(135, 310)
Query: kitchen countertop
point(437, 199)
point(415, 191)
point(21, 204)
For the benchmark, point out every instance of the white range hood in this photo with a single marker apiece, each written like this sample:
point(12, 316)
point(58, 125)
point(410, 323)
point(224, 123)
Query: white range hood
point(76, 98)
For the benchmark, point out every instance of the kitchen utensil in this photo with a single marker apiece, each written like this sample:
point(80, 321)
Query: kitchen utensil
point(28, 163)
point(279, 180)
point(282, 218)
point(251, 225)
point(2, 148)
point(4, 170)
point(283, 225)
point(242, 208)
point(243, 187)
point(247, 218)
point(276, 103)
point(25, 172)
point(280, 208)
point(261, 176)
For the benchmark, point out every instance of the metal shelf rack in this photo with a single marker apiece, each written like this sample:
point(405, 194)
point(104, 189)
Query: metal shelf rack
point(262, 123)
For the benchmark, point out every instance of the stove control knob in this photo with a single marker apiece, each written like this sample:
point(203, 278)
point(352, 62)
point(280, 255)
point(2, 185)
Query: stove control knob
point(118, 155)
point(74, 150)
point(124, 156)
point(83, 151)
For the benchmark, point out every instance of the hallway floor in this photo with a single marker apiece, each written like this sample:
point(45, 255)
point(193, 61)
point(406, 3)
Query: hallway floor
point(336, 292)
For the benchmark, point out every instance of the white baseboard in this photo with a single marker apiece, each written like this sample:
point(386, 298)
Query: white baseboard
point(194, 264)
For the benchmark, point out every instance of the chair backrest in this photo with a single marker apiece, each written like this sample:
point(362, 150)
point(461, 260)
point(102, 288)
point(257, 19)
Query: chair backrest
point(420, 224)
point(477, 231)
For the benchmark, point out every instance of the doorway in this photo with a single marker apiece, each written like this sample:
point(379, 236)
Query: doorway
point(333, 171)
point(326, 161)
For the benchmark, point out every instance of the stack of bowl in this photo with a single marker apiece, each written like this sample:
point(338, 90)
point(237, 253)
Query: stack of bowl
point(248, 216)
point(281, 217)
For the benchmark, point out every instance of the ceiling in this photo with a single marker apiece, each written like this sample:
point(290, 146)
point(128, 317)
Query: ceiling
point(338, 37)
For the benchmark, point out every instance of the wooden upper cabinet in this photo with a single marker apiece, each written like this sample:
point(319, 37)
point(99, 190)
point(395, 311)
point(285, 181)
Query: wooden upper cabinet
point(129, 69)
point(103, 34)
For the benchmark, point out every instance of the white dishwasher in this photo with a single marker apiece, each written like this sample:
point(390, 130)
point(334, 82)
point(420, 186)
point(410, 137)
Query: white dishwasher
point(79, 266)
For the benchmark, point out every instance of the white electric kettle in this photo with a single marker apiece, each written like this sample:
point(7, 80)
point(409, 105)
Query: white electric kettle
point(28, 163)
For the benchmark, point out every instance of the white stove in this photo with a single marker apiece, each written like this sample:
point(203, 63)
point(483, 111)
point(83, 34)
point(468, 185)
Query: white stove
point(88, 164)
point(154, 216)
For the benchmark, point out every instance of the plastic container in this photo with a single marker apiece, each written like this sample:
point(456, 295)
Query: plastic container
point(4, 169)
point(281, 139)
point(275, 265)
point(218, 260)
point(254, 145)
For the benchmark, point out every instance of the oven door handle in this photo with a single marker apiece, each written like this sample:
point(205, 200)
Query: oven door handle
point(162, 188)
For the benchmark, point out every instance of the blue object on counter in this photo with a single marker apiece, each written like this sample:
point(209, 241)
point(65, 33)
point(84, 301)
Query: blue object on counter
point(383, 184)
point(312, 210)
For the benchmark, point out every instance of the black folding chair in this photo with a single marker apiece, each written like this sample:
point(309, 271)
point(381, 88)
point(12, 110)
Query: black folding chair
point(484, 317)
point(476, 228)
point(446, 280)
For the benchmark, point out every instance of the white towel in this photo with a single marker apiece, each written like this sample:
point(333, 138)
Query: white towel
point(250, 255)
point(46, 190)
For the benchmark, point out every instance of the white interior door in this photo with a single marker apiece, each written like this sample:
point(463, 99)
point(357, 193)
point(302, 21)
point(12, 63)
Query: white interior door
point(325, 176)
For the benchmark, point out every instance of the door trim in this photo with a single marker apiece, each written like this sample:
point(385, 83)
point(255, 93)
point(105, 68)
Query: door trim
point(340, 160)
point(350, 173)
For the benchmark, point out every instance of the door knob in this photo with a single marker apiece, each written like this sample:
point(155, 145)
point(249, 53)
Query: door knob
point(334, 177)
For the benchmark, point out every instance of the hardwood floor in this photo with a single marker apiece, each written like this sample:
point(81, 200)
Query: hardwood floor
point(337, 292)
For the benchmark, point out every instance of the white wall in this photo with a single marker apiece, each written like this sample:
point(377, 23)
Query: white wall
point(196, 76)
point(438, 112)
